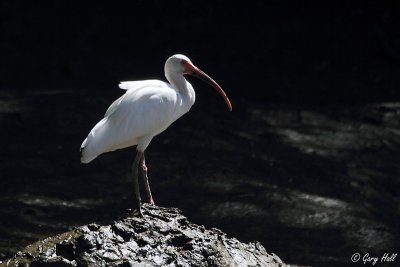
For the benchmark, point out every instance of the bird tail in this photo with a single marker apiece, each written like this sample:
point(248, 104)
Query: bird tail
point(93, 146)
point(86, 153)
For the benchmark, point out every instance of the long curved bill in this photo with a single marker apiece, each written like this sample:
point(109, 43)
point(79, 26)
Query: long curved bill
point(195, 71)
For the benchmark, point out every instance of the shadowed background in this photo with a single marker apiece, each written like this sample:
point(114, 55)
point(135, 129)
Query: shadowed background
point(307, 163)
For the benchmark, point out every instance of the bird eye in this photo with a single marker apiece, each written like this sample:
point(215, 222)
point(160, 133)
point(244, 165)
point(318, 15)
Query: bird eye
point(183, 62)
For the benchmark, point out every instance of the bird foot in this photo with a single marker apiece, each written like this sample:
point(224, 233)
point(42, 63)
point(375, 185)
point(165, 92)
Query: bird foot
point(151, 202)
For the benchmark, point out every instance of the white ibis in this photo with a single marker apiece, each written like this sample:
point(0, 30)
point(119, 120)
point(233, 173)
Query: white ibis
point(145, 110)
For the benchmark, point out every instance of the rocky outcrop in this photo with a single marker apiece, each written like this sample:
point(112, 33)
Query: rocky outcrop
point(163, 237)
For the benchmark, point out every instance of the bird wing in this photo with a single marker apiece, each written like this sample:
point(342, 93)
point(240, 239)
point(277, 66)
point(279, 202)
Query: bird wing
point(132, 85)
point(114, 106)
point(142, 112)
point(144, 109)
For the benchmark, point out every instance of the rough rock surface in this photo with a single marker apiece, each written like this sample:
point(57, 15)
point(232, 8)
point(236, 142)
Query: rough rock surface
point(164, 237)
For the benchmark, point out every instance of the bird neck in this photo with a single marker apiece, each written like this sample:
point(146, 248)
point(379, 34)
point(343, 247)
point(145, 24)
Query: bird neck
point(176, 79)
point(180, 83)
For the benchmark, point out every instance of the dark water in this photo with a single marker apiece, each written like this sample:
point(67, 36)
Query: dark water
point(313, 184)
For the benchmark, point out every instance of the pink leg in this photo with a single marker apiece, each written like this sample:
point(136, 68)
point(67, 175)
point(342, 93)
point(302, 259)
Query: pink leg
point(146, 180)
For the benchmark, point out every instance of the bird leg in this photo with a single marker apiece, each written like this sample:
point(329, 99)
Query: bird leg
point(135, 167)
point(146, 180)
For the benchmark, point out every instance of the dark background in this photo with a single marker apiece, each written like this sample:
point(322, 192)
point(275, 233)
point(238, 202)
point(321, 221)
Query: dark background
point(275, 50)
point(324, 65)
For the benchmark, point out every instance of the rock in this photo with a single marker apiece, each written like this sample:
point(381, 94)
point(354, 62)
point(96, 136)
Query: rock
point(163, 237)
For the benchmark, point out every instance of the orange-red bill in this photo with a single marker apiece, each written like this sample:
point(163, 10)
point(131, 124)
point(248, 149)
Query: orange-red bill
point(193, 70)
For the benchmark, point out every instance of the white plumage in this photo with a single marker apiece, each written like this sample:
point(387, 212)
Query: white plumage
point(146, 109)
